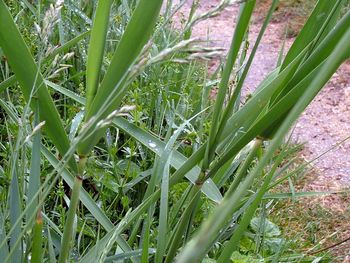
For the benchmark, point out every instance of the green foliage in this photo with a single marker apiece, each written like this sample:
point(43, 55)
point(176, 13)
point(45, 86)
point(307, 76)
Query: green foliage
point(134, 161)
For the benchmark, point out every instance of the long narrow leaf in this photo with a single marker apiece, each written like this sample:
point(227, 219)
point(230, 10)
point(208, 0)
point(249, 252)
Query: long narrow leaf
point(154, 144)
point(134, 38)
point(196, 248)
point(15, 212)
point(4, 250)
point(34, 175)
point(85, 198)
point(237, 40)
point(30, 79)
point(96, 49)
point(310, 30)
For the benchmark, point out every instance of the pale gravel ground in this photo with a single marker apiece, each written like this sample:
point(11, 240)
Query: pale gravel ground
point(325, 122)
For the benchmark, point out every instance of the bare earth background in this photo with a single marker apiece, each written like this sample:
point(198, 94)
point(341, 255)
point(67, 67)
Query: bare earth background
point(325, 122)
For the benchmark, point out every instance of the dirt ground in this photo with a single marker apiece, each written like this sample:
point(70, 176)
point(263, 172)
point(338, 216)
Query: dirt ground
point(326, 121)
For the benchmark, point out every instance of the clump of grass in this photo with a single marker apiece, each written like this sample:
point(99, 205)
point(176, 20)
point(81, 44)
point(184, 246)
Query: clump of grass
point(180, 176)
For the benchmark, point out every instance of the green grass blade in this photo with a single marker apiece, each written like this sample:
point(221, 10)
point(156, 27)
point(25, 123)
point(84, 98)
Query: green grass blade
point(37, 246)
point(330, 66)
point(177, 159)
point(182, 225)
point(237, 40)
point(7, 83)
point(136, 35)
point(233, 100)
point(66, 243)
point(66, 46)
point(30, 7)
point(323, 50)
point(162, 169)
point(310, 30)
point(276, 114)
point(145, 235)
point(232, 244)
point(127, 255)
point(243, 169)
point(299, 83)
point(15, 212)
point(96, 49)
point(34, 174)
point(249, 112)
point(51, 250)
point(103, 245)
point(247, 115)
point(4, 250)
point(12, 80)
point(9, 110)
point(154, 144)
point(142, 208)
point(281, 196)
point(195, 249)
point(67, 92)
point(163, 216)
point(85, 198)
point(30, 79)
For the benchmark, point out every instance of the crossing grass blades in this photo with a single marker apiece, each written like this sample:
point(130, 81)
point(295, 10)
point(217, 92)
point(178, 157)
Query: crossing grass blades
point(218, 156)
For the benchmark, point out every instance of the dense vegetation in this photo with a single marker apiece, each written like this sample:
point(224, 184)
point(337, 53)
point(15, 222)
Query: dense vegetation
point(113, 148)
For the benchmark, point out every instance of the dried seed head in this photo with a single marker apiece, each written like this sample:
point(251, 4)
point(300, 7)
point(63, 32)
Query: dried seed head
point(51, 18)
point(34, 131)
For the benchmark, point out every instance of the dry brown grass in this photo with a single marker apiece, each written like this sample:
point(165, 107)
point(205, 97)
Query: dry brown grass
point(293, 11)
point(316, 223)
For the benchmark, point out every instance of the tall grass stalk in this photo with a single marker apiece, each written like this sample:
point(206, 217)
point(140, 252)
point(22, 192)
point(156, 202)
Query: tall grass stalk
point(152, 169)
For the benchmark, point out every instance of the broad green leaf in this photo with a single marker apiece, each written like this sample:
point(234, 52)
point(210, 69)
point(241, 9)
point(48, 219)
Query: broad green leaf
point(270, 229)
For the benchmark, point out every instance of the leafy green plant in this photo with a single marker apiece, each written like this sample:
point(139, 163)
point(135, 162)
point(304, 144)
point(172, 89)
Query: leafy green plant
point(232, 146)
